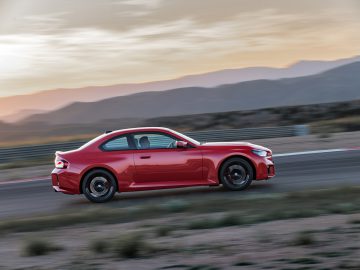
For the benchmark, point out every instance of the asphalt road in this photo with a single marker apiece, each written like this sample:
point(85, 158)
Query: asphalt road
point(294, 173)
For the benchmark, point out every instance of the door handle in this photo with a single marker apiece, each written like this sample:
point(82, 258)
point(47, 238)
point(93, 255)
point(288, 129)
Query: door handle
point(145, 157)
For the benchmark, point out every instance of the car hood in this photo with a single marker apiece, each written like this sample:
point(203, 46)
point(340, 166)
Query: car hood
point(234, 144)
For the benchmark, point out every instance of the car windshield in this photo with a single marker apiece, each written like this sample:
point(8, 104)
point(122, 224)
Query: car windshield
point(92, 141)
point(186, 137)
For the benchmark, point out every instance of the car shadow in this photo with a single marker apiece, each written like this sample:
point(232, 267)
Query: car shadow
point(127, 198)
point(190, 192)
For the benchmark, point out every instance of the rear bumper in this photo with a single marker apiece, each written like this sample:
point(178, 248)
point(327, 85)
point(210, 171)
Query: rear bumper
point(58, 189)
point(65, 181)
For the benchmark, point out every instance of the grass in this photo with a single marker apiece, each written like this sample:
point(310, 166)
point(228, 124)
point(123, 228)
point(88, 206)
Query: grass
point(304, 260)
point(202, 267)
point(243, 263)
point(251, 210)
point(131, 246)
point(304, 239)
point(331, 254)
point(225, 221)
point(79, 264)
point(351, 265)
point(354, 221)
point(176, 206)
point(163, 231)
point(99, 246)
point(340, 124)
point(28, 163)
point(39, 247)
point(175, 266)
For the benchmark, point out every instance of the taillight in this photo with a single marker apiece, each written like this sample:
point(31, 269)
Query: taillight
point(61, 163)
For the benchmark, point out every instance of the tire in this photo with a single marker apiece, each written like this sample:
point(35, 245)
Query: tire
point(236, 174)
point(99, 186)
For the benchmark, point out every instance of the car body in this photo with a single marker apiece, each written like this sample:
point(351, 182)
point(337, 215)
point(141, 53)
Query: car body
point(157, 158)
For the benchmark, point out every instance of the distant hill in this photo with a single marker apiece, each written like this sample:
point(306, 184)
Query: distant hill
point(55, 99)
point(339, 84)
point(323, 118)
point(17, 116)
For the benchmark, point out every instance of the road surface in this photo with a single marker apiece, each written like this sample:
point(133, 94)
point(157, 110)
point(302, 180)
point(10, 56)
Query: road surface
point(294, 173)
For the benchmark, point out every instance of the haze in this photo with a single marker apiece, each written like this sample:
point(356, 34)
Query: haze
point(61, 44)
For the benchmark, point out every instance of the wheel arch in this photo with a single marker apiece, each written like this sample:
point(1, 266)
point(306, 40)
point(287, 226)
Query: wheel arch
point(97, 168)
point(236, 156)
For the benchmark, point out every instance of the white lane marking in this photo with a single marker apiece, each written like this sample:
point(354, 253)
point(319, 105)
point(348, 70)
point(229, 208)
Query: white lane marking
point(276, 155)
point(315, 152)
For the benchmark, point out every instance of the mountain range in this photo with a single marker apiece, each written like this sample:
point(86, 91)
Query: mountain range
point(338, 84)
point(15, 108)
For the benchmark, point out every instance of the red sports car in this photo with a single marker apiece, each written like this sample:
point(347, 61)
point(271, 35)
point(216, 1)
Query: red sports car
point(157, 158)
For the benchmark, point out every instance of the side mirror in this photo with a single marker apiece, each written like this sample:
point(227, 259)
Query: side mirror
point(181, 144)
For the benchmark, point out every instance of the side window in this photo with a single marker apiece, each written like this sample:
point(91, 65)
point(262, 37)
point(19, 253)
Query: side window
point(119, 143)
point(154, 141)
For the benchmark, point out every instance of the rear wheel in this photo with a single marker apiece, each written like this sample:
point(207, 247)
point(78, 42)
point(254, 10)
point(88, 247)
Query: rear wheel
point(99, 186)
point(236, 174)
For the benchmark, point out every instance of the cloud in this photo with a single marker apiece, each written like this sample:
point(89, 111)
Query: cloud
point(137, 40)
point(141, 3)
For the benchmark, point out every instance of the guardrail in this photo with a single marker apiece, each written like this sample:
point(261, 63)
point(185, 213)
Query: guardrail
point(48, 150)
point(248, 133)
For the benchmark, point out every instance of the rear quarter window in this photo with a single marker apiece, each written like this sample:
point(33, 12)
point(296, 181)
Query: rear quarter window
point(119, 143)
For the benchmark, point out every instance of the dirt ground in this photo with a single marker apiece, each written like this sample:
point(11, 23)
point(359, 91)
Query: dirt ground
point(325, 242)
point(278, 145)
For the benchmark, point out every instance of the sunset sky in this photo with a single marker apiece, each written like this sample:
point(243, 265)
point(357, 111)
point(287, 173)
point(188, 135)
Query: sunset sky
point(72, 43)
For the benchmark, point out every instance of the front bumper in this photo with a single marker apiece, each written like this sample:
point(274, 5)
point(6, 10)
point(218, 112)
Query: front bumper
point(265, 169)
point(271, 171)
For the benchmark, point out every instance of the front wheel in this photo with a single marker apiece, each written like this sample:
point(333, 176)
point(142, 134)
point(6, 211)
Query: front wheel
point(236, 174)
point(99, 186)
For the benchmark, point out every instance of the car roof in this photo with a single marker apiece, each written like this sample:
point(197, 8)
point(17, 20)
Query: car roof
point(110, 134)
point(139, 129)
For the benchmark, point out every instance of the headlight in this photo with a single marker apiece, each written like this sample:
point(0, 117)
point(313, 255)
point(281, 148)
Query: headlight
point(260, 153)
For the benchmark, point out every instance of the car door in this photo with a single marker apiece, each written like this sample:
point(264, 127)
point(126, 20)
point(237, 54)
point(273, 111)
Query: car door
point(158, 163)
point(118, 153)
